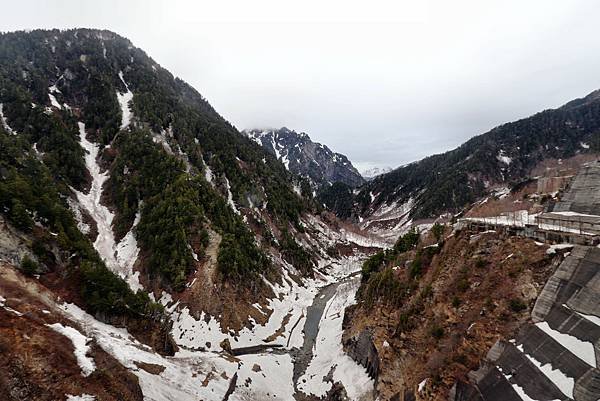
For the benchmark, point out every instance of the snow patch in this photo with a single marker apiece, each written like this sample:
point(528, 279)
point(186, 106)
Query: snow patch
point(564, 383)
point(162, 139)
point(230, 197)
point(582, 349)
point(8, 308)
point(422, 385)
point(183, 375)
point(80, 342)
point(51, 90)
point(553, 248)
point(54, 102)
point(361, 240)
point(5, 122)
point(289, 304)
point(121, 257)
point(105, 242)
point(82, 397)
point(500, 193)
point(590, 318)
point(124, 101)
point(208, 174)
point(501, 157)
point(127, 254)
point(274, 380)
point(389, 221)
point(76, 209)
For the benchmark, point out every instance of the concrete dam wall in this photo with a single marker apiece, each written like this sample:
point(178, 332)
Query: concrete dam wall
point(556, 357)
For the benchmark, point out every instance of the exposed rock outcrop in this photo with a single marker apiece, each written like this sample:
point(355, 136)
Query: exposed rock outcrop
point(430, 331)
point(362, 350)
point(309, 159)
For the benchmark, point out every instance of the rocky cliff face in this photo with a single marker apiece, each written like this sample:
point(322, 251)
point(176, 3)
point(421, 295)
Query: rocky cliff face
point(434, 312)
point(306, 158)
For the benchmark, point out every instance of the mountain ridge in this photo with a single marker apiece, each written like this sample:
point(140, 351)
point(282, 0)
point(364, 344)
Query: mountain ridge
point(311, 160)
point(449, 181)
point(149, 170)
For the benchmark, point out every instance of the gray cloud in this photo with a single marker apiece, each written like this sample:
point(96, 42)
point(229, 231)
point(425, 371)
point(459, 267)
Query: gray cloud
point(384, 82)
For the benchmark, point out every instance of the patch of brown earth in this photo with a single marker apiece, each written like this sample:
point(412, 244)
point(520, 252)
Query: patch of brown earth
point(150, 367)
point(550, 176)
point(38, 363)
point(206, 293)
point(279, 332)
point(65, 284)
point(525, 198)
point(562, 167)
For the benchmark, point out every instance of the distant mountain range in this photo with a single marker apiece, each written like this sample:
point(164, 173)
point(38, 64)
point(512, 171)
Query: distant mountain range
point(441, 183)
point(372, 172)
point(312, 160)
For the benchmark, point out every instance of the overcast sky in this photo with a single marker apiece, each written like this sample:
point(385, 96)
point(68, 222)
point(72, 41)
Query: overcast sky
point(384, 82)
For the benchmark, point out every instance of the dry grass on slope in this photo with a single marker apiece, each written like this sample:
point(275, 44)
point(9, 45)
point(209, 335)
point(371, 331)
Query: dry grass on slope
point(478, 288)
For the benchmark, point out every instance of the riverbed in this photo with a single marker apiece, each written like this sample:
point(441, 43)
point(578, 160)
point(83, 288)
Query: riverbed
point(322, 361)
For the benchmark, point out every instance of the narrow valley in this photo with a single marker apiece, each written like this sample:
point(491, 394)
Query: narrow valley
point(152, 251)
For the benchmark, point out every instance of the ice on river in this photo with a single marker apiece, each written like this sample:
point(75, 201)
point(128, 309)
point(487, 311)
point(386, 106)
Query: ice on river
point(328, 354)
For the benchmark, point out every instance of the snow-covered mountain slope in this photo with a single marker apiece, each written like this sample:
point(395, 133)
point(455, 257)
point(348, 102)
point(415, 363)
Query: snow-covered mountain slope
point(169, 248)
point(372, 172)
point(306, 158)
